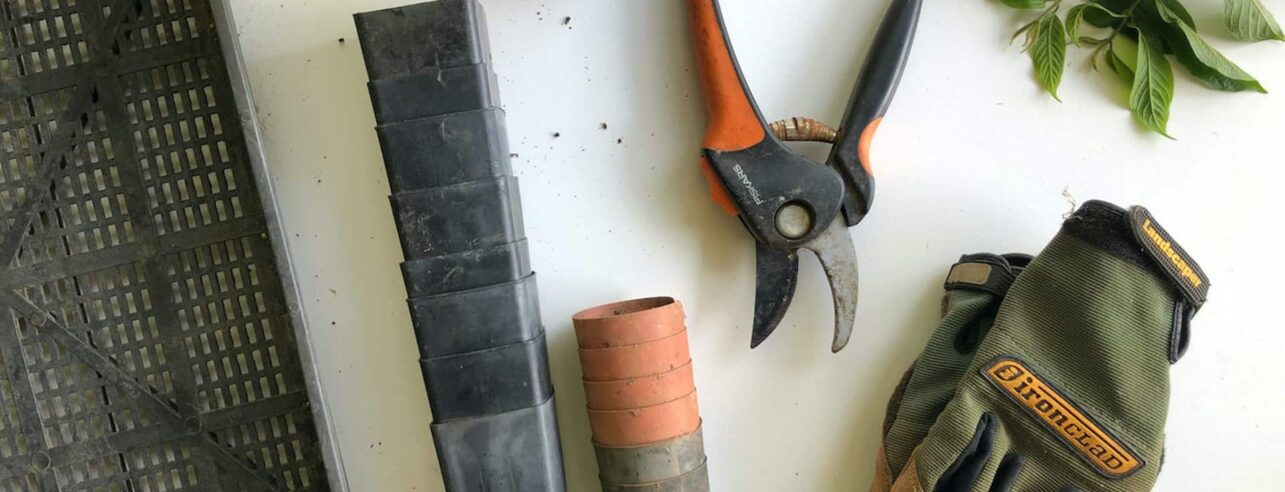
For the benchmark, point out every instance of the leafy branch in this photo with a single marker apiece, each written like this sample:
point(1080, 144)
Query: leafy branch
point(1135, 40)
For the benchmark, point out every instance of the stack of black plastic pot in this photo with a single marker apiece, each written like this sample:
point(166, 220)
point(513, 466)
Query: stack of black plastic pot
point(472, 293)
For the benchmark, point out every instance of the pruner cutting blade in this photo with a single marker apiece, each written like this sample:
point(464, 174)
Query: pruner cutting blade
point(777, 275)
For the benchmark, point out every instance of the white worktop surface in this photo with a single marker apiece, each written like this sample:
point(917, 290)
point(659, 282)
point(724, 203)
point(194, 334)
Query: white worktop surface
point(972, 157)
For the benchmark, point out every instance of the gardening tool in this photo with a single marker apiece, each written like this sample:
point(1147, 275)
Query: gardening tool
point(786, 201)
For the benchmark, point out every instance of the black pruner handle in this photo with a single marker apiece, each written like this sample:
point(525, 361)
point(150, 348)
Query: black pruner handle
point(870, 100)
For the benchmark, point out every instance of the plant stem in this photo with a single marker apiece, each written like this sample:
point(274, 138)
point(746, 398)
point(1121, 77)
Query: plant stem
point(1125, 21)
point(1052, 10)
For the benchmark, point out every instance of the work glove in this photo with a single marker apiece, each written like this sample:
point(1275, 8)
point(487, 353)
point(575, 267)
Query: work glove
point(972, 293)
point(1069, 388)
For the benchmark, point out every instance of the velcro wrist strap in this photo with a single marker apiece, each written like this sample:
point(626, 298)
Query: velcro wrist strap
point(1174, 261)
point(1134, 236)
point(986, 272)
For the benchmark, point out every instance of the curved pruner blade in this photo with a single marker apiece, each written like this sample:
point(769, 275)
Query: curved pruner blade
point(838, 257)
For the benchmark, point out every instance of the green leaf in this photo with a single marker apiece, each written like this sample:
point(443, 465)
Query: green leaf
point(1249, 20)
point(1025, 4)
point(1203, 61)
point(1075, 16)
point(1125, 51)
point(1118, 67)
point(1152, 90)
point(1023, 29)
point(1123, 58)
point(1176, 9)
point(1111, 13)
point(1047, 47)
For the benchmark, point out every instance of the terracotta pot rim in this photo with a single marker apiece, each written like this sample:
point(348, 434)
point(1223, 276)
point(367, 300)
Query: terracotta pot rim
point(623, 309)
point(631, 361)
point(691, 394)
point(634, 392)
point(646, 425)
point(658, 375)
point(682, 332)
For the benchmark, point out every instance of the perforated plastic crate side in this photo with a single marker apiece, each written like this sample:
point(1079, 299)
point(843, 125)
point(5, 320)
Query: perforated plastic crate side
point(326, 428)
point(150, 331)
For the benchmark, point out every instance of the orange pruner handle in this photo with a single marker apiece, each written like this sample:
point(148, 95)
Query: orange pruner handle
point(734, 121)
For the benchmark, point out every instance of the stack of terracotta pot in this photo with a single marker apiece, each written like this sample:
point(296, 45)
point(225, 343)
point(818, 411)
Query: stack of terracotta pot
point(641, 396)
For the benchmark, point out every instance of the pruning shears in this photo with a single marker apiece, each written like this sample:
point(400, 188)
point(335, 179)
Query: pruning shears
point(786, 201)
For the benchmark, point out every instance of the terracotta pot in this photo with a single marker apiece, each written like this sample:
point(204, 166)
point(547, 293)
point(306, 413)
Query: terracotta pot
point(628, 322)
point(644, 391)
point(646, 425)
point(633, 361)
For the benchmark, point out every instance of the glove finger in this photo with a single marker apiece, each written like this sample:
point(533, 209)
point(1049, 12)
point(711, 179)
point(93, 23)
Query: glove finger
point(1007, 473)
point(967, 469)
point(974, 289)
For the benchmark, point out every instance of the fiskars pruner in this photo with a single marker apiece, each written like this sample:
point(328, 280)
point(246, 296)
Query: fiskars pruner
point(786, 201)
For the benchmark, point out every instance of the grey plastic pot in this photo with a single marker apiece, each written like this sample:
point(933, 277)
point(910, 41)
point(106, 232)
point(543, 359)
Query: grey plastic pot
point(651, 463)
point(694, 481)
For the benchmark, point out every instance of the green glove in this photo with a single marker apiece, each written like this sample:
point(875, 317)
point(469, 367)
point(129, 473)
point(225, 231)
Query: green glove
point(1069, 389)
point(973, 291)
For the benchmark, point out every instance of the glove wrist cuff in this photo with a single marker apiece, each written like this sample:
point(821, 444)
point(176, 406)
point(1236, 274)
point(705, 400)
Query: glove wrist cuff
point(1134, 236)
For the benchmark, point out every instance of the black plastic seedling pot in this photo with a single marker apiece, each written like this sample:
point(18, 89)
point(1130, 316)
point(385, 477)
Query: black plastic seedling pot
point(476, 319)
point(403, 40)
point(488, 382)
point(466, 270)
point(433, 92)
point(653, 462)
point(517, 450)
point(451, 219)
point(445, 150)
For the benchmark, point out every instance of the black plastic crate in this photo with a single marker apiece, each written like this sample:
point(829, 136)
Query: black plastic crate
point(146, 329)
